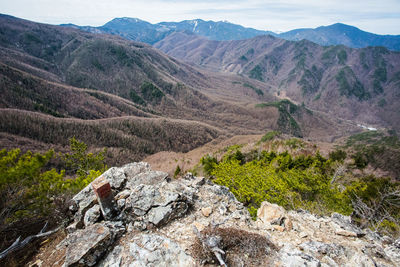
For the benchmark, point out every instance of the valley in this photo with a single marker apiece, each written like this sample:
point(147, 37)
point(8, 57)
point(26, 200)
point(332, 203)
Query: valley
point(209, 105)
point(76, 76)
point(358, 84)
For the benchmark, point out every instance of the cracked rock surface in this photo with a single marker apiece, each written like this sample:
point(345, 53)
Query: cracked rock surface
point(156, 216)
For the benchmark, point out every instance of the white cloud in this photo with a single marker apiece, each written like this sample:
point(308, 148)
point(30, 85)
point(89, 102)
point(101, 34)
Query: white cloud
point(376, 16)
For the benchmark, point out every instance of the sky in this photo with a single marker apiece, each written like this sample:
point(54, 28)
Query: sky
point(377, 16)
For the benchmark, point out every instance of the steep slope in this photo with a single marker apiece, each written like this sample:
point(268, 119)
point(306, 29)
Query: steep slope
point(128, 97)
point(129, 131)
point(139, 73)
point(21, 90)
point(127, 138)
point(342, 34)
point(357, 84)
point(39, 63)
point(102, 62)
point(134, 71)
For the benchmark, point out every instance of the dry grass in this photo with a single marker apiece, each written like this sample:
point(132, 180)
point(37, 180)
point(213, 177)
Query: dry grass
point(242, 248)
point(168, 160)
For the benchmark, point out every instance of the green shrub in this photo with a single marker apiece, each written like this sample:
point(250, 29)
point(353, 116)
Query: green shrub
point(151, 93)
point(257, 73)
point(294, 143)
point(257, 90)
point(306, 182)
point(269, 136)
point(136, 98)
point(360, 161)
point(338, 155)
point(300, 182)
point(342, 56)
point(382, 103)
point(177, 171)
point(29, 188)
point(208, 162)
point(80, 162)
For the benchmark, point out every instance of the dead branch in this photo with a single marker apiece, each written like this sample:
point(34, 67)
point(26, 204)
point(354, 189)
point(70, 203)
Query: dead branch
point(378, 209)
point(18, 244)
point(211, 243)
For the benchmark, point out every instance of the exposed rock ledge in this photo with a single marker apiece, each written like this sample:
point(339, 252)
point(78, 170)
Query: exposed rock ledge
point(161, 222)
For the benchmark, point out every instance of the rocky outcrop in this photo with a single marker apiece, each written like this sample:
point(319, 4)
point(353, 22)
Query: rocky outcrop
point(272, 216)
point(191, 221)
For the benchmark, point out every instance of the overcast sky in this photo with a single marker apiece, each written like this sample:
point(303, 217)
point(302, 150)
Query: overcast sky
point(377, 16)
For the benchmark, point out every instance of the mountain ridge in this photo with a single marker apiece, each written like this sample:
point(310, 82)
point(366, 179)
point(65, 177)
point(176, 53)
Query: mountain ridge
point(334, 34)
point(70, 74)
point(342, 34)
point(358, 84)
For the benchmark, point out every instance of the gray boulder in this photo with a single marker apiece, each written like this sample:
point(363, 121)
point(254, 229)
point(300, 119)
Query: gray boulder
point(135, 168)
point(315, 248)
point(346, 228)
point(80, 204)
point(292, 257)
point(84, 247)
point(156, 250)
point(92, 215)
point(157, 204)
point(114, 258)
point(116, 177)
point(393, 252)
point(147, 178)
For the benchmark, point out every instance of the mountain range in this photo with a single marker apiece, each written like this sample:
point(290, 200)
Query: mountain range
point(136, 100)
point(58, 82)
point(359, 84)
point(336, 34)
point(309, 127)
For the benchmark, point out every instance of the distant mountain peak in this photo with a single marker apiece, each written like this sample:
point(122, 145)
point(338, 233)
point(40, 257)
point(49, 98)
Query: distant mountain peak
point(339, 26)
point(335, 34)
point(194, 20)
point(128, 19)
